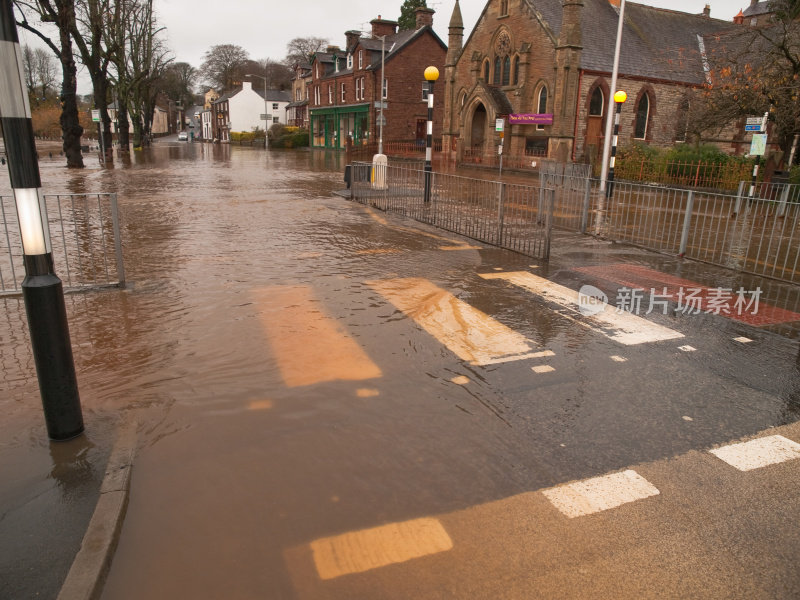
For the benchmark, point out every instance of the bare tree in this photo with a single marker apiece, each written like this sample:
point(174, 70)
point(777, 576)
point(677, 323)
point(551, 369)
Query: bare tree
point(29, 65)
point(300, 50)
point(223, 66)
point(61, 14)
point(46, 71)
point(140, 60)
point(752, 71)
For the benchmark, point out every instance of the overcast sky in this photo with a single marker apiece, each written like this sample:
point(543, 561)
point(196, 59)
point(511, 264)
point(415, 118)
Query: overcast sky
point(264, 28)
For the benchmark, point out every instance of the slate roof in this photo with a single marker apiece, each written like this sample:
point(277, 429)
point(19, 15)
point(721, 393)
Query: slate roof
point(656, 43)
point(759, 8)
point(394, 44)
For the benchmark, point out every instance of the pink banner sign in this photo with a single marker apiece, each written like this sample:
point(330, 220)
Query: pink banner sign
point(528, 119)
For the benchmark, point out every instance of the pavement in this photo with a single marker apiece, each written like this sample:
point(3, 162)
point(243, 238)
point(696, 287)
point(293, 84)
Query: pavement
point(693, 524)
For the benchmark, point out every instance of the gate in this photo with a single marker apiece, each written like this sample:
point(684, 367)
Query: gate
point(511, 216)
point(85, 240)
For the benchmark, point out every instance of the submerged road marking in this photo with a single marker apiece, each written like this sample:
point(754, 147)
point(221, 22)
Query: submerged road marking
point(758, 453)
point(368, 549)
point(600, 493)
point(309, 345)
point(624, 327)
point(470, 334)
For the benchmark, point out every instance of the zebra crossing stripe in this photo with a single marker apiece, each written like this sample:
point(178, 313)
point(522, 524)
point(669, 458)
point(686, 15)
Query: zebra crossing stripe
point(359, 551)
point(758, 453)
point(309, 345)
point(599, 493)
point(622, 327)
point(470, 334)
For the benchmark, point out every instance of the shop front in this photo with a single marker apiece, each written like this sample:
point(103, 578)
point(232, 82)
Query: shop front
point(331, 127)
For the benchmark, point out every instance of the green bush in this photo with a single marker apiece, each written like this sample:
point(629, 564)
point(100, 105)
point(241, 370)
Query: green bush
point(794, 174)
point(288, 137)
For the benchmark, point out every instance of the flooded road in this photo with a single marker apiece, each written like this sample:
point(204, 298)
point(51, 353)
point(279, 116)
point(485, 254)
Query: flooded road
point(302, 367)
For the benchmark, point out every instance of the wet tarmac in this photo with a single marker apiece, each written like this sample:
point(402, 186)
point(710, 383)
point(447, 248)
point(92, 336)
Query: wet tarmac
point(298, 366)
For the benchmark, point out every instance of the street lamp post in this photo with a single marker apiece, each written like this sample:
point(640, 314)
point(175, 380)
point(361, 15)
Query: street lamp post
point(266, 138)
point(431, 75)
point(614, 74)
point(619, 99)
point(42, 290)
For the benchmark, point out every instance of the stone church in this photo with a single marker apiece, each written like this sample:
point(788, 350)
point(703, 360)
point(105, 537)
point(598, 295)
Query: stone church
point(545, 67)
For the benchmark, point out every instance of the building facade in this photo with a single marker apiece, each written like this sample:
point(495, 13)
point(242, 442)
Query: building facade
point(345, 91)
point(549, 63)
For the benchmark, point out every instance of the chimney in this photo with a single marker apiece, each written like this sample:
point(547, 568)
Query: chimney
point(332, 49)
point(707, 10)
point(352, 38)
point(247, 85)
point(383, 27)
point(753, 2)
point(424, 17)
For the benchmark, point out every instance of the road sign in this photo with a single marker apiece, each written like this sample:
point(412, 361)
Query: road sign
point(754, 120)
point(96, 115)
point(759, 144)
point(499, 124)
point(756, 127)
point(378, 104)
point(266, 117)
point(381, 121)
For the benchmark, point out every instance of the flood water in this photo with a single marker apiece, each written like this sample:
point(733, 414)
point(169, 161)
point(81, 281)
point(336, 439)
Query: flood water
point(282, 396)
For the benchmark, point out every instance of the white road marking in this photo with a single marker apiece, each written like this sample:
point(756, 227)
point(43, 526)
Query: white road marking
point(758, 453)
point(542, 369)
point(469, 333)
point(600, 493)
point(368, 549)
point(616, 358)
point(742, 340)
point(687, 348)
point(622, 327)
point(460, 380)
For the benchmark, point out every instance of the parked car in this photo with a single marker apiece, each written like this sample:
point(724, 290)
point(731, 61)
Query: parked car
point(183, 136)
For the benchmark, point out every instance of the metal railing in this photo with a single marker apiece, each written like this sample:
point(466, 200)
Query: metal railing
point(512, 216)
point(758, 235)
point(85, 239)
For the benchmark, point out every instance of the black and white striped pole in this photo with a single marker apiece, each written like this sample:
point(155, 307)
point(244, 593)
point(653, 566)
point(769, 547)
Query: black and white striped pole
point(619, 100)
point(42, 291)
point(431, 75)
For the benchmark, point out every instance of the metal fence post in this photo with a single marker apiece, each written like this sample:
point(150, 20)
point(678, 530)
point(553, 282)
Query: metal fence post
point(784, 199)
point(548, 228)
point(587, 198)
point(500, 214)
point(687, 222)
point(739, 195)
point(117, 241)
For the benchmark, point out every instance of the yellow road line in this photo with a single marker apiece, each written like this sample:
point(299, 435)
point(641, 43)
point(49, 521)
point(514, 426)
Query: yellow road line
point(368, 549)
point(469, 333)
point(309, 345)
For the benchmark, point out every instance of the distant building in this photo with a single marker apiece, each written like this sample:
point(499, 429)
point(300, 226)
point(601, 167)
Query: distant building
point(297, 109)
point(241, 111)
point(345, 88)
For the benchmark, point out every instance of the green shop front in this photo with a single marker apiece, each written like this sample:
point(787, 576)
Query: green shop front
point(330, 127)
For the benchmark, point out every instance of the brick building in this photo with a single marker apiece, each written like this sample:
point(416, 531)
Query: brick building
point(343, 93)
point(553, 58)
point(297, 109)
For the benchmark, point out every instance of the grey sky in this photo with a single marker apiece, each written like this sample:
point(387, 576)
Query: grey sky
point(264, 28)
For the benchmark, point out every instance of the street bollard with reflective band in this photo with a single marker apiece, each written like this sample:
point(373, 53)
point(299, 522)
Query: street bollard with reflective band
point(42, 291)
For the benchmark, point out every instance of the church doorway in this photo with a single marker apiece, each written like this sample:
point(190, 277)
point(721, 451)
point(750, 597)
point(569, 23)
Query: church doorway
point(478, 127)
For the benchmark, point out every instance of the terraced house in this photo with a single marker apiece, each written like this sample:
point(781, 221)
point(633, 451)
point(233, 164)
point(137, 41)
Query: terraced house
point(345, 90)
point(545, 66)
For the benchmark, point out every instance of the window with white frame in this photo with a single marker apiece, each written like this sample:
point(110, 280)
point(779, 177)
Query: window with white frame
point(349, 60)
point(385, 91)
point(343, 92)
point(360, 59)
point(274, 106)
point(330, 94)
point(317, 100)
